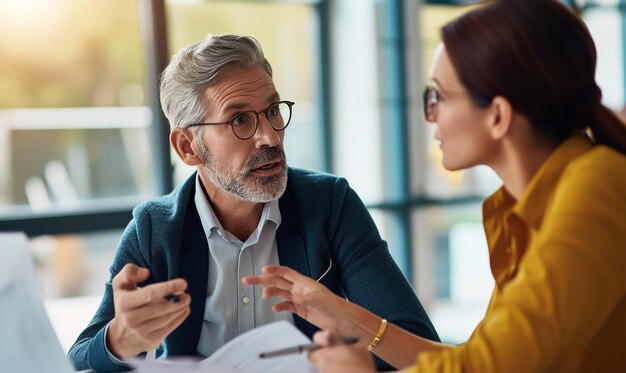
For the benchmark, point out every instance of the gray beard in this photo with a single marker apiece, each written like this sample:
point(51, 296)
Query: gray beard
point(245, 185)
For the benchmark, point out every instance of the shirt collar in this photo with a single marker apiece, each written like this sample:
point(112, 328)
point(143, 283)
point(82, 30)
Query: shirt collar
point(531, 206)
point(271, 211)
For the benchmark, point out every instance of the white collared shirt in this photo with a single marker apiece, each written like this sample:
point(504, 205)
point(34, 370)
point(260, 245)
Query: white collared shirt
point(232, 308)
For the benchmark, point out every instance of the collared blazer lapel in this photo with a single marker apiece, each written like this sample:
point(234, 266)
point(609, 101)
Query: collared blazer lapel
point(291, 246)
point(193, 266)
point(292, 250)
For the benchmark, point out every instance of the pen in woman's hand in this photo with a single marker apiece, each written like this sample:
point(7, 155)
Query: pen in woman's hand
point(307, 347)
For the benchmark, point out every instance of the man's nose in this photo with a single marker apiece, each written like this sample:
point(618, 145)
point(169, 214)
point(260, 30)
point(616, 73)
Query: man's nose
point(266, 135)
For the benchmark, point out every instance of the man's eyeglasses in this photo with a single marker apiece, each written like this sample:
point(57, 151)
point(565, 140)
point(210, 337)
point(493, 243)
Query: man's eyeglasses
point(245, 123)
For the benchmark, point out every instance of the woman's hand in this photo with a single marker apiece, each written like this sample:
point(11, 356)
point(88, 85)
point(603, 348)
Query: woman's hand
point(338, 318)
point(339, 357)
point(305, 297)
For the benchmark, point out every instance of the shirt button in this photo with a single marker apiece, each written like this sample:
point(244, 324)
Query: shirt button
point(245, 300)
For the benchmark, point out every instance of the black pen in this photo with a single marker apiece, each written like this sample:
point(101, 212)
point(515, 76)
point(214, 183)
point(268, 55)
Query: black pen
point(302, 348)
point(174, 298)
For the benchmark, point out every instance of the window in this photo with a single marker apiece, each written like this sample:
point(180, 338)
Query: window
point(606, 22)
point(74, 149)
point(73, 125)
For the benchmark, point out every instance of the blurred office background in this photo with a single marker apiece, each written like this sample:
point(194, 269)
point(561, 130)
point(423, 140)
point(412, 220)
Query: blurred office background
point(83, 140)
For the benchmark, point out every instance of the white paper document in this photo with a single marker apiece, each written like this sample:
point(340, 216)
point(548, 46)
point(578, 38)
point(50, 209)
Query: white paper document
point(165, 366)
point(241, 355)
point(28, 342)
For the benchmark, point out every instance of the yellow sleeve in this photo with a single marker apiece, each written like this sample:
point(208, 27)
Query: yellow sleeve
point(568, 283)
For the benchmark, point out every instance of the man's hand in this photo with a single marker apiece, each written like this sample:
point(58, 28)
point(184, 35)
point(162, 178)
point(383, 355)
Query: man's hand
point(142, 316)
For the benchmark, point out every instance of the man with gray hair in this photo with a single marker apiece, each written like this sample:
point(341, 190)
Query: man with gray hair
point(175, 279)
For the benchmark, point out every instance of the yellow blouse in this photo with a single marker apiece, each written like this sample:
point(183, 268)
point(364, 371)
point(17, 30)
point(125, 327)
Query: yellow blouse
point(558, 256)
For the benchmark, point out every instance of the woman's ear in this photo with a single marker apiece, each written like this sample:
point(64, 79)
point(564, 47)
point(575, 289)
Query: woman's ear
point(500, 117)
point(182, 142)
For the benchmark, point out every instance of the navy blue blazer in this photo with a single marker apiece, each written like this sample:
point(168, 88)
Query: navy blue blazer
point(326, 232)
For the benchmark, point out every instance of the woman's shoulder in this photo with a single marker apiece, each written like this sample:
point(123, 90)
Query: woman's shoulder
point(600, 163)
point(593, 182)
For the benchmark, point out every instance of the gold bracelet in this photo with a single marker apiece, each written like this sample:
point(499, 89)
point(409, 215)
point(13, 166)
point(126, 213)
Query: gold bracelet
point(381, 331)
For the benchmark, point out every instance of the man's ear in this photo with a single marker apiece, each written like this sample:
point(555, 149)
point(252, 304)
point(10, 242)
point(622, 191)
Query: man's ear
point(182, 142)
point(500, 117)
